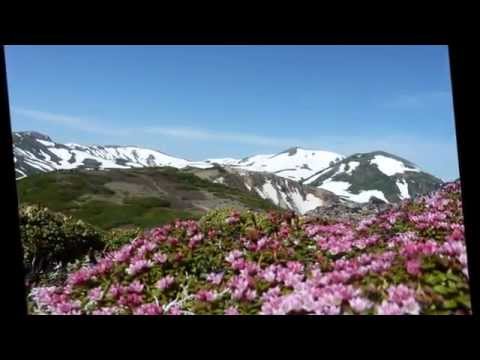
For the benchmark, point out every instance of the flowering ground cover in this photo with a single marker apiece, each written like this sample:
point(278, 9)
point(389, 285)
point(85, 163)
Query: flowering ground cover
point(410, 259)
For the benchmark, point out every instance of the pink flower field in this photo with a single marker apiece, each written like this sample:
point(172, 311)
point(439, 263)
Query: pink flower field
point(408, 260)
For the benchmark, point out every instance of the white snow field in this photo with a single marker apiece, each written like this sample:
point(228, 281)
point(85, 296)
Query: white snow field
point(341, 188)
point(390, 166)
point(298, 166)
point(403, 187)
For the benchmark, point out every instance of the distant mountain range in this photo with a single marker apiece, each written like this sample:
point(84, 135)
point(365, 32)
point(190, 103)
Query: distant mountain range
point(297, 179)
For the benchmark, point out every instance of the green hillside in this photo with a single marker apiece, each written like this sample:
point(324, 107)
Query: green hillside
point(132, 197)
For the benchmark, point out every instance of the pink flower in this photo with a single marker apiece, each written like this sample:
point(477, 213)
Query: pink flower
point(400, 293)
point(138, 266)
point(410, 249)
point(238, 264)
point(105, 311)
point(233, 218)
point(359, 304)
point(251, 267)
point(130, 300)
point(195, 240)
point(233, 255)
point(269, 274)
point(79, 277)
point(392, 218)
point(456, 235)
point(292, 279)
point(95, 294)
point(160, 258)
point(103, 266)
point(116, 290)
point(238, 293)
point(136, 287)
point(262, 243)
point(148, 309)
point(270, 294)
point(68, 308)
point(295, 266)
point(411, 307)
point(413, 267)
point(250, 294)
point(144, 249)
point(231, 311)
point(175, 310)
point(215, 278)
point(388, 308)
point(206, 295)
point(165, 282)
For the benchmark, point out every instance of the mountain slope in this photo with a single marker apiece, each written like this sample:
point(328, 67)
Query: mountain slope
point(377, 174)
point(141, 197)
point(284, 193)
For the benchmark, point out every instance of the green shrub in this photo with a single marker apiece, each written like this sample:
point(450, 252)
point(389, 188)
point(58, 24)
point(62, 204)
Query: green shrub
point(217, 219)
point(116, 238)
point(50, 238)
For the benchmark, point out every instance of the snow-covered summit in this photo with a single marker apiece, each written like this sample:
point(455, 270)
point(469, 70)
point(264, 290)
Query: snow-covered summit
point(294, 163)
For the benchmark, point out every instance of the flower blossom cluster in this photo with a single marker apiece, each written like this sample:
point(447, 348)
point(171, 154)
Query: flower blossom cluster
point(408, 260)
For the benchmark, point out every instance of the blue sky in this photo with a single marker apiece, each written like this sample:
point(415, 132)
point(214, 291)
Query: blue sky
point(197, 102)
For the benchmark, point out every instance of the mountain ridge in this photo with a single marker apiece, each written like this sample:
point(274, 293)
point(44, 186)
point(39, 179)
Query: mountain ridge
point(307, 174)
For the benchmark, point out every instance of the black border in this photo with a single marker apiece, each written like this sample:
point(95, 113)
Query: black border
point(462, 72)
point(11, 245)
point(462, 66)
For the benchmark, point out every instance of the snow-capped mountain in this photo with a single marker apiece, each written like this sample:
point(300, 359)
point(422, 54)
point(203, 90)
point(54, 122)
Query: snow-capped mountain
point(377, 174)
point(294, 164)
point(35, 152)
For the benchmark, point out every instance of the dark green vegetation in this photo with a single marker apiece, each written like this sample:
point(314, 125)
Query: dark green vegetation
point(50, 238)
point(142, 197)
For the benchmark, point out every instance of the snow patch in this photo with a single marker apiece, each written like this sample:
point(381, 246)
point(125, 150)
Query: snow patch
point(364, 196)
point(304, 205)
point(46, 143)
point(403, 187)
point(341, 188)
point(290, 166)
point(39, 166)
point(352, 165)
point(219, 180)
point(270, 192)
point(390, 166)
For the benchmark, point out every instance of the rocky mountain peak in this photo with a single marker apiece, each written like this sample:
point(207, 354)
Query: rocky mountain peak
point(291, 151)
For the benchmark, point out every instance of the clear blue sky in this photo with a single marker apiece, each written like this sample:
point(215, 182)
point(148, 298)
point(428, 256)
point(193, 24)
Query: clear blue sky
point(233, 101)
